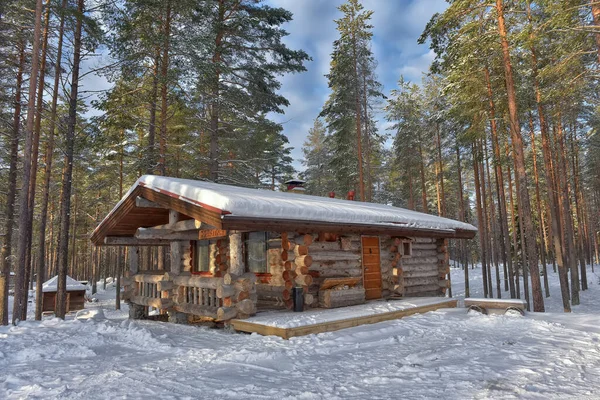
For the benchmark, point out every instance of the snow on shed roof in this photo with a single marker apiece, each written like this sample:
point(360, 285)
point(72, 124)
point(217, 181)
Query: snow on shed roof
point(235, 201)
point(51, 285)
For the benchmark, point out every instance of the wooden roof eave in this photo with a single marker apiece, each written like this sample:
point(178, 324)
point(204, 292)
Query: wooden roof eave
point(164, 199)
point(231, 222)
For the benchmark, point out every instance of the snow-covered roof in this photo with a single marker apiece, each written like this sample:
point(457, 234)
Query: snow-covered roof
point(51, 285)
point(233, 201)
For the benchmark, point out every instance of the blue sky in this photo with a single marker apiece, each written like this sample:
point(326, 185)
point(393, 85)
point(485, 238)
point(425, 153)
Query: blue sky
point(397, 24)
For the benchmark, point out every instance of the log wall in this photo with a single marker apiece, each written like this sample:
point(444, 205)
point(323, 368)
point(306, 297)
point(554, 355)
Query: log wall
point(304, 260)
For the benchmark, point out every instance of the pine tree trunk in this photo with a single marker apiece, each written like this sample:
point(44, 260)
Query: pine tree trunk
point(361, 180)
point(12, 192)
point(20, 298)
point(564, 197)
point(480, 221)
point(556, 226)
point(538, 205)
point(65, 203)
point(502, 213)
point(513, 220)
point(162, 166)
point(214, 107)
point(423, 188)
point(48, 158)
point(486, 244)
point(461, 205)
point(34, 156)
point(150, 160)
point(493, 229)
point(520, 172)
point(367, 135)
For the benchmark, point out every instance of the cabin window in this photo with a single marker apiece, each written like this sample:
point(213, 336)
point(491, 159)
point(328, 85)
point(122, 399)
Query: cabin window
point(201, 256)
point(256, 252)
point(406, 248)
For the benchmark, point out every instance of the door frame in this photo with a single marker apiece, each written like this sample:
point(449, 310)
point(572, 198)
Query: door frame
point(362, 263)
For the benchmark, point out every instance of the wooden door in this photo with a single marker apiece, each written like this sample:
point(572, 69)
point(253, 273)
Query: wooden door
point(371, 267)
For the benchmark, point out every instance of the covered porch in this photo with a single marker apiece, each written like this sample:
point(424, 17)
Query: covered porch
point(286, 324)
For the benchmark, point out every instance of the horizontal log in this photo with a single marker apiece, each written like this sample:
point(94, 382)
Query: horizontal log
point(131, 241)
point(324, 265)
point(204, 282)
point(424, 246)
point(197, 309)
point(226, 313)
point(246, 306)
point(147, 278)
point(424, 253)
point(341, 298)
point(341, 273)
point(152, 302)
point(332, 282)
point(309, 299)
point(421, 273)
point(335, 256)
point(225, 291)
point(318, 247)
point(423, 288)
point(427, 280)
point(304, 261)
point(419, 260)
point(423, 240)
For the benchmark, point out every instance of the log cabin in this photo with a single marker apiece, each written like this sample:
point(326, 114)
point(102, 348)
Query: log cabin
point(75, 294)
point(227, 252)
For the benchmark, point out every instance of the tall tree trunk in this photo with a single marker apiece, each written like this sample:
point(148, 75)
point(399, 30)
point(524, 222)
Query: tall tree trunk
point(12, 191)
point(48, 156)
point(461, 205)
point(423, 187)
point(556, 226)
point(162, 166)
point(538, 202)
point(482, 181)
point(520, 172)
point(150, 160)
point(566, 210)
point(493, 229)
point(480, 220)
point(440, 173)
point(513, 221)
point(35, 153)
point(579, 209)
point(502, 213)
point(367, 141)
point(65, 203)
point(20, 302)
point(214, 107)
point(361, 180)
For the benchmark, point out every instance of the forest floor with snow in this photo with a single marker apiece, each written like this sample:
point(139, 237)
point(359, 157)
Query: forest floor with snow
point(448, 354)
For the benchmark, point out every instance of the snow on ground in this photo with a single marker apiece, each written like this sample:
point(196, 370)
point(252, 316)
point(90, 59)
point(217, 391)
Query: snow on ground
point(443, 354)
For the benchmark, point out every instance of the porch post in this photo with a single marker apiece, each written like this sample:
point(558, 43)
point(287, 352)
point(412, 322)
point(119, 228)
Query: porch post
point(136, 311)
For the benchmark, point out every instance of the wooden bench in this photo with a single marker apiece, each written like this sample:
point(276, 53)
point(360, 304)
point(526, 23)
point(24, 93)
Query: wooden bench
point(496, 306)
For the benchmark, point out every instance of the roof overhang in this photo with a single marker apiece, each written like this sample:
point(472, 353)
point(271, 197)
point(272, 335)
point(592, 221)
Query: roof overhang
point(120, 225)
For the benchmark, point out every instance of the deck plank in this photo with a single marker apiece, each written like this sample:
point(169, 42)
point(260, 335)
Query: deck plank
point(330, 326)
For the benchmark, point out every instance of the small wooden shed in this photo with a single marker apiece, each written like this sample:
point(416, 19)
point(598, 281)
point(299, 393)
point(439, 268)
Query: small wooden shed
point(75, 294)
point(233, 251)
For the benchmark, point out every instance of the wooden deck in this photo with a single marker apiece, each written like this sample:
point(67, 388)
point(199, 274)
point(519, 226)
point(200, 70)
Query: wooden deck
point(274, 323)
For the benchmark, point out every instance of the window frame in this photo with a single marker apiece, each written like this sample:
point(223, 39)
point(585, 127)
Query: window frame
point(404, 244)
point(246, 238)
point(195, 258)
